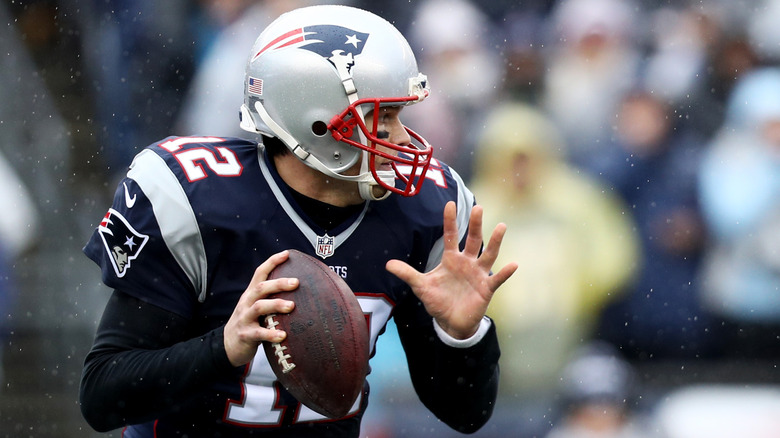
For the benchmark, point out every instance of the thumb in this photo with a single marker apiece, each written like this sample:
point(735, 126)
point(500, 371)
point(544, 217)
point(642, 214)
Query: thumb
point(403, 271)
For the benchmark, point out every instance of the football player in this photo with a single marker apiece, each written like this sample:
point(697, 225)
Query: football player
point(202, 221)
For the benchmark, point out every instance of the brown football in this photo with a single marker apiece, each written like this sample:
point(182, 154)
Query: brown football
point(323, 362)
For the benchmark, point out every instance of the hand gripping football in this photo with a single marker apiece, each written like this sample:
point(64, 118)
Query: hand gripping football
point(323, 362)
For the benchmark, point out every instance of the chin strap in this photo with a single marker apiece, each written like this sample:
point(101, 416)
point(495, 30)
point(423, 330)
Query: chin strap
point(365, 188)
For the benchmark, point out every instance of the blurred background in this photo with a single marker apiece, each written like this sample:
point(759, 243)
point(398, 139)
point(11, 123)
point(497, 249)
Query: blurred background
point(632, 146)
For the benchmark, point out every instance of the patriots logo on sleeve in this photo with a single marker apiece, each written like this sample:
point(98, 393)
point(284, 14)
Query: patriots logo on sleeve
point(122, 242)
point(337, 44)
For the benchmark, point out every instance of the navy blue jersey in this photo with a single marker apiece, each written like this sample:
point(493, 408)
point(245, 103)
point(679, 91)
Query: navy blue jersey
point(194, 218)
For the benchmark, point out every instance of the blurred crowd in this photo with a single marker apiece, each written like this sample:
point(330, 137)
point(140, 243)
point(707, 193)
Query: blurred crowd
point(632, 147)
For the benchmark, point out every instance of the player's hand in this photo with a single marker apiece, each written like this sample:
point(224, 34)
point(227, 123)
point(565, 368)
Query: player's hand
point(243, 332)
point(457, 292)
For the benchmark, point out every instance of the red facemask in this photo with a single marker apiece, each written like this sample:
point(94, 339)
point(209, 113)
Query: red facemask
point(411, 161)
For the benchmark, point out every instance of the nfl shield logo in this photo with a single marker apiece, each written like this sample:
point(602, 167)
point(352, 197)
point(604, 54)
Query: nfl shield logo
point(325, 246)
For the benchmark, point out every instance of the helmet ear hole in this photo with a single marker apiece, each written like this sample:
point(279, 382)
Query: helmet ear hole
point(319, 128)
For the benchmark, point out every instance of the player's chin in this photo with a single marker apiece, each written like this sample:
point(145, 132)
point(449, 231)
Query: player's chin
point(378, 191)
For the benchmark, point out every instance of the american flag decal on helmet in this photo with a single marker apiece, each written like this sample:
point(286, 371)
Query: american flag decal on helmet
point(254, 86)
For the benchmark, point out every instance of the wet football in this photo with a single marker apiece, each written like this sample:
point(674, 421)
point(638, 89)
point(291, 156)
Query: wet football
point(323, 362)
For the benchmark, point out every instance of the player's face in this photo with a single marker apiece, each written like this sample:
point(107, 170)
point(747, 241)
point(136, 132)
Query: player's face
point(389, 125)
point(390, 128)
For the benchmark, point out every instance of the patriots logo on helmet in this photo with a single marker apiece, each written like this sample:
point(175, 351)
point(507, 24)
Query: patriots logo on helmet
point(122, 242)
point(337, 44)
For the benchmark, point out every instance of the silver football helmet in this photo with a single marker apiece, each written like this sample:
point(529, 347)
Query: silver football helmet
point(312, 76)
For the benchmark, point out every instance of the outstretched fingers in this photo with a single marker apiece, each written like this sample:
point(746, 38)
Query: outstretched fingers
point(489, 256)
point(450, 233)
point(474, 238)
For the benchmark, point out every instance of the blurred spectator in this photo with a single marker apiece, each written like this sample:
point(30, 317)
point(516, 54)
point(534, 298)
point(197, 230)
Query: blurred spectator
point(34, 164)
point(524, 68)
point(210, 18)
point(139, 56)
point(740, 195)
point(217, 90)
point(46, 28)
point(696, 57)
point(452, 41)
point(720, 411)
point(763, 31)
point(18, 233)
point(499, 10)
point(572, 239)
point(652, 165)
point(19, 221)
point(598, 397)
point(592, 60)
